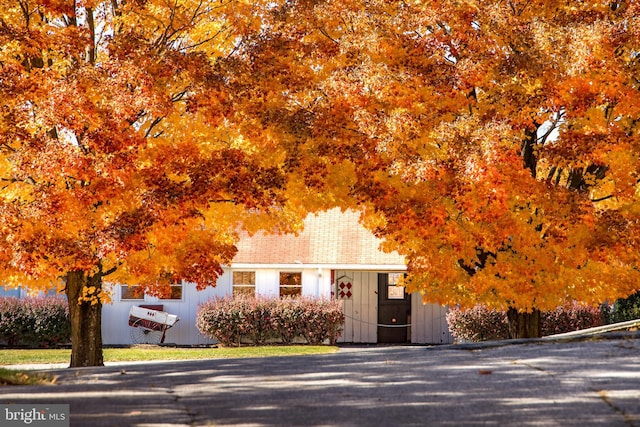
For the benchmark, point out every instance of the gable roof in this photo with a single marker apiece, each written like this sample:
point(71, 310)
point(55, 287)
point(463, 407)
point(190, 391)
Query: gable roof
point(330, 239)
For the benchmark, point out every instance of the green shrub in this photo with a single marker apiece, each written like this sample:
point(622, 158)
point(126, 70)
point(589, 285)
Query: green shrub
point(34, 322)
point(263, 320)
point(482, 324)
point(626, 309)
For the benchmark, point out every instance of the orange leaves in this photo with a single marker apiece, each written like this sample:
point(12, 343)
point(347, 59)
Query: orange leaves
point(115, 149)
point(510, 67)
point(93, 295)
point(186, 122)
point(623, 162)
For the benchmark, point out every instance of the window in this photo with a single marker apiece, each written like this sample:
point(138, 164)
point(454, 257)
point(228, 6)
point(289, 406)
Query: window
point(290, 284)
point(393, 290)
point(175, 292)
point(131, 292)
point(134, 292)
point(244, 283)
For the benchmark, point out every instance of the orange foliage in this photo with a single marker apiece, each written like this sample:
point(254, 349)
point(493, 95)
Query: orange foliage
point(493, 143)
point(115, 157)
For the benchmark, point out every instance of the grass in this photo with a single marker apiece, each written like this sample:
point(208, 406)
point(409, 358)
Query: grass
point(13, 377)
point(137, 353)
point(145, 352)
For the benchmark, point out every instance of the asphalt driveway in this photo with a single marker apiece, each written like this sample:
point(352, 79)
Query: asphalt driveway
point(585, 383)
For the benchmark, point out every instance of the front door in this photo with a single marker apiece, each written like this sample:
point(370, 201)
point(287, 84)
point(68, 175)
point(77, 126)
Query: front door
point(394, 310)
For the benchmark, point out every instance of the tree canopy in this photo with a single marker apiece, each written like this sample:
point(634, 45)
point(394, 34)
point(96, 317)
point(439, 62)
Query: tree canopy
point(116, 159)
point(114, 153)
point(495, 144)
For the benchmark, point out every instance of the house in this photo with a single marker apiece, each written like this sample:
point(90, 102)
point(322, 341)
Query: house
point(334, 256)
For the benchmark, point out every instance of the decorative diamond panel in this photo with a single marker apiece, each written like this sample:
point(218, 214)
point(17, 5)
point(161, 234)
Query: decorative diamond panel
point(344, 289)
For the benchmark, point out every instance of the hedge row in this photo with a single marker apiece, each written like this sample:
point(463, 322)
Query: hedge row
point(477, 324)
point(625, 309)
point(234, 321)
point(34, 322)
point(481, 323)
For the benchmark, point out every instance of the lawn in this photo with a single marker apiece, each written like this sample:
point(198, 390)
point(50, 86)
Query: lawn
point(13, 377)
point(140, 353)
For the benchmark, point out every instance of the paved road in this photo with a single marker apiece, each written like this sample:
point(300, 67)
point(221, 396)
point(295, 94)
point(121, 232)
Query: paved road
point(590, 383)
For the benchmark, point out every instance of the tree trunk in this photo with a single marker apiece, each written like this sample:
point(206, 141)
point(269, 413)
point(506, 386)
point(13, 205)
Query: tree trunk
point(523, 324)
point(86, 321)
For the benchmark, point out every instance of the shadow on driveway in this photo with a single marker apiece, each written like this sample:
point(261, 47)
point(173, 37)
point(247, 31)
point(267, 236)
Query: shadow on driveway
point(534, 383)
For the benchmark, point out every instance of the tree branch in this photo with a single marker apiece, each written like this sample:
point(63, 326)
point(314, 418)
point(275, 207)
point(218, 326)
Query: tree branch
point(110, 271)
point(601, 199)
point(324, 33)
point(153, 124)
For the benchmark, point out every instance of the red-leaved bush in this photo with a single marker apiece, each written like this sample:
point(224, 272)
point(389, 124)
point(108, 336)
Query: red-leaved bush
point(571, 318)
point(258, 321)
point(477, 324)
point(34, 322)
point(482, 324)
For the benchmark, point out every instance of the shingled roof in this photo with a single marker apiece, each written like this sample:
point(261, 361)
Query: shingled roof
point(329, 238)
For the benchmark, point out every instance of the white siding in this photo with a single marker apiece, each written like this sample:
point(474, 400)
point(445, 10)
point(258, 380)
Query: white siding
point(115, 316)
point(315, 282)
point(267, 283)
point(429, 324)
point(361, 310)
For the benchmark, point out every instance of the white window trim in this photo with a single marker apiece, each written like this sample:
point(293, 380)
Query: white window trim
point(245, 285)
point(290, 286)
point(148, 298)
point(122, 298)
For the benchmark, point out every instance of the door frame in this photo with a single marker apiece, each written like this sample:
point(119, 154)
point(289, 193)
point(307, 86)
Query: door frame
point(392, 308)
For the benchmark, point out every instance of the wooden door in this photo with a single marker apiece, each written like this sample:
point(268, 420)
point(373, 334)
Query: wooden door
point(394, 311)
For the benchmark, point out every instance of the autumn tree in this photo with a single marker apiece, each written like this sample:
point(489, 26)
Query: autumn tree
point(495, 144)
point(115, 159)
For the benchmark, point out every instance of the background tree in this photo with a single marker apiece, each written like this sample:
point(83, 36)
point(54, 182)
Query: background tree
point(494, 144)
point(115, 161)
